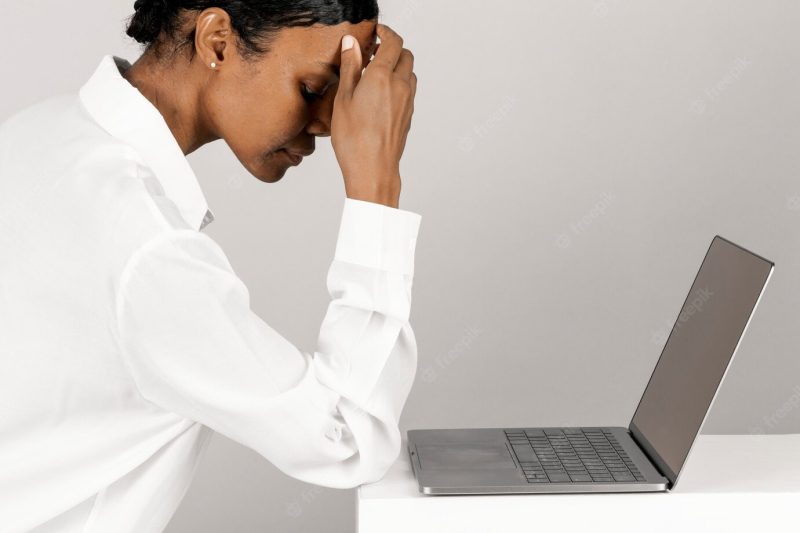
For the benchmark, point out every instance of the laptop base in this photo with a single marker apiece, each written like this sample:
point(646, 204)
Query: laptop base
point(554, 460)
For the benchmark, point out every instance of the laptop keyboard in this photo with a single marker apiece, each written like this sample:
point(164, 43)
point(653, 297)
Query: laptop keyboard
point(570, 455)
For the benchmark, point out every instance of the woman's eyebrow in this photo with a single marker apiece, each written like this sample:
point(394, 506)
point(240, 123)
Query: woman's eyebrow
point(331, 67)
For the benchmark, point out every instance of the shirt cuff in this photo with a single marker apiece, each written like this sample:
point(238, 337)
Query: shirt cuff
point(378, 236)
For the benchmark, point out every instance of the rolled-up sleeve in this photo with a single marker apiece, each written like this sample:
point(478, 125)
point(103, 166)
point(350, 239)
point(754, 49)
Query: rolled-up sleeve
point(330, 417)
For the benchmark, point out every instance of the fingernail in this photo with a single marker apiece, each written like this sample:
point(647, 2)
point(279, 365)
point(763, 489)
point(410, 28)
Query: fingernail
point(347, 42)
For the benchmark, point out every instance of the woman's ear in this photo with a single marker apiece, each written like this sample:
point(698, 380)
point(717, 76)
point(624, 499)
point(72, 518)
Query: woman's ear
point(213, 35)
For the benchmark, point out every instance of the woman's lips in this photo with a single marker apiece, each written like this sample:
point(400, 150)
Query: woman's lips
point(294, 159)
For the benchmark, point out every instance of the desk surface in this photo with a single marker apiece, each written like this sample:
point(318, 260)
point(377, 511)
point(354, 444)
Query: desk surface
point(730, 483)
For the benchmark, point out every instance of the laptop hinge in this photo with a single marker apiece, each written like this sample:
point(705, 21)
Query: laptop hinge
point(646, 453)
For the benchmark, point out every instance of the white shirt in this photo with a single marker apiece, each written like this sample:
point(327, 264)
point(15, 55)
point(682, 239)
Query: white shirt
point(126, 337)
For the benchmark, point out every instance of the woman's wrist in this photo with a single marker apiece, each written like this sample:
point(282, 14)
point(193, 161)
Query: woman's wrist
point(385, 194)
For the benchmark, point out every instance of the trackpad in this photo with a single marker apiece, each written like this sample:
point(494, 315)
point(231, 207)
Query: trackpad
point(474, 456)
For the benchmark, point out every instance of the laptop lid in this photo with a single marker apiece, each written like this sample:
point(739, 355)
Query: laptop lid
point(697, 353)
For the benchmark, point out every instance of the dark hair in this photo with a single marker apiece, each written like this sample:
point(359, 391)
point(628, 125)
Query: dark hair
point(254, 21)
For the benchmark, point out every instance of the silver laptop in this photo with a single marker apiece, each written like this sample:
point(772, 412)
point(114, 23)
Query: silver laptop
point(648, 455)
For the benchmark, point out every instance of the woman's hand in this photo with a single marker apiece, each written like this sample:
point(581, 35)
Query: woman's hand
point(371, 118)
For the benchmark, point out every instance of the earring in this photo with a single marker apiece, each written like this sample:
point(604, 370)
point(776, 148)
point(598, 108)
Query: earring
point(213, 65)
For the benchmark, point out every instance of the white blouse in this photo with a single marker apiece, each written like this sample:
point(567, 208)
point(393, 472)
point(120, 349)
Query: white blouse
point(126, 337)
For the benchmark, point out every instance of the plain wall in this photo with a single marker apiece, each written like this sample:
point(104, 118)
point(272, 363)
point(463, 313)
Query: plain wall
point(571, 162)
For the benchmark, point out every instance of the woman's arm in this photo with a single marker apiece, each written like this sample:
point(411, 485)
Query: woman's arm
point(194, 347)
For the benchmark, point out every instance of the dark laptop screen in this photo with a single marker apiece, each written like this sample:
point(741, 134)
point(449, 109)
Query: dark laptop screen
point(697, 352)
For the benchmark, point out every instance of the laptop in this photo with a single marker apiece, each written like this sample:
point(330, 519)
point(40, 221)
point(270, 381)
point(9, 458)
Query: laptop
point(649, 454)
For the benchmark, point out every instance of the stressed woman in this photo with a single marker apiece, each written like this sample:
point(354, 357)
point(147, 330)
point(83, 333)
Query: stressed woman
point(126, 337)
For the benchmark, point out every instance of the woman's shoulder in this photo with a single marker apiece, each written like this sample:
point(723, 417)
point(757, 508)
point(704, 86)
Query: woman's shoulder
point(55, 148)
point(59, 130)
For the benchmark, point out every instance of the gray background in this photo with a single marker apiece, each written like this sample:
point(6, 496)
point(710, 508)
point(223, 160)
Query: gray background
point(571, 161)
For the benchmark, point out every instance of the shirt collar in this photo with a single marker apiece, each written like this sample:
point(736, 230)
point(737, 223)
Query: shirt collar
point(127, 115)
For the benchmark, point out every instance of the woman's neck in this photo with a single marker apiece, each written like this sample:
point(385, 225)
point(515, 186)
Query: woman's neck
point(171, 90)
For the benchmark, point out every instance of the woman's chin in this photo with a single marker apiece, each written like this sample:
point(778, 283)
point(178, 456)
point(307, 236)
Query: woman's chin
point(269, 168)
point(271, 173)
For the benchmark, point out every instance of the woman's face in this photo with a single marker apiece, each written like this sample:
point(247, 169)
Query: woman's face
point(261, 106)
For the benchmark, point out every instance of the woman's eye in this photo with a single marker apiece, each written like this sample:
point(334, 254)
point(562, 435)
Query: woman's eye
point(310, 95)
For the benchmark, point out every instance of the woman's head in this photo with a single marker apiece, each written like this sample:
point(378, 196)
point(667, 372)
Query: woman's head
point(260, 74)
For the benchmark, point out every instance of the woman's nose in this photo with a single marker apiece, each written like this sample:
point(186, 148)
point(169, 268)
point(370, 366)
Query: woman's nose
point(320, 123)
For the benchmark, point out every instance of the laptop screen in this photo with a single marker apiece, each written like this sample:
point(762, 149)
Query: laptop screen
point(697, 352)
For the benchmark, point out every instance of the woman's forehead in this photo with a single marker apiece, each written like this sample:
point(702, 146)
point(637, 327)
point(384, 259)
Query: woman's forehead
point(323, 41)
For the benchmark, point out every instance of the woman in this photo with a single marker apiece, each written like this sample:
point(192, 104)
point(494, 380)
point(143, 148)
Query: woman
point(127, 338)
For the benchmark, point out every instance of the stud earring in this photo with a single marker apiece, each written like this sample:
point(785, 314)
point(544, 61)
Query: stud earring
point(213, 65)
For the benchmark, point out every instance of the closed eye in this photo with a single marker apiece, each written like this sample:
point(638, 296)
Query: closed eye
point(310, 95)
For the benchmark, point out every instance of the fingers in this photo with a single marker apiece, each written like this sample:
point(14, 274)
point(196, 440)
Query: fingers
point(391, 45)
point(405, 65)
point(413, 82)
point(403, 62)
point(350, 68)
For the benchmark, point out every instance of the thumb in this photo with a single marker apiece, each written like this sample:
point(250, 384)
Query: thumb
point(350, 69)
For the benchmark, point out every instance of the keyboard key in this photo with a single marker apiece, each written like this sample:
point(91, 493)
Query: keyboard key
point(524, 452)
point(572, 454)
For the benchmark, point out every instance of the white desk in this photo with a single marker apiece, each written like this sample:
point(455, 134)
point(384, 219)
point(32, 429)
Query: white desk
point(731, 483)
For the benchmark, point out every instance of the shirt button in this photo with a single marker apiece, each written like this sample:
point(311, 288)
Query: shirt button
point(334, 432)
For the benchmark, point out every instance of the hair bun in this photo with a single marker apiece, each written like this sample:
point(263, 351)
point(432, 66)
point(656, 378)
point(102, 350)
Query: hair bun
point(149, 4)
point(148, 19)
